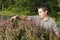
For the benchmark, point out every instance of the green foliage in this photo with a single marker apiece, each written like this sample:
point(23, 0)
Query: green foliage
point(28, 7)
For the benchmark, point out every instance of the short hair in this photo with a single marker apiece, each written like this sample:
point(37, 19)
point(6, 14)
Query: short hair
point(44, 7)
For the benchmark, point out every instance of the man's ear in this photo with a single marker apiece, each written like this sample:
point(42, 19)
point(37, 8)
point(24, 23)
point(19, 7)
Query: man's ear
point(46, 12)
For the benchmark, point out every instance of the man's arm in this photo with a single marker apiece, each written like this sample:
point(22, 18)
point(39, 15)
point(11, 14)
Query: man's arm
point(55, 29)
point(21, 17)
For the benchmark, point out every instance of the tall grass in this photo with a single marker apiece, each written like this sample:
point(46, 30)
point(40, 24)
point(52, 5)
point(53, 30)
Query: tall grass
point(24, 30)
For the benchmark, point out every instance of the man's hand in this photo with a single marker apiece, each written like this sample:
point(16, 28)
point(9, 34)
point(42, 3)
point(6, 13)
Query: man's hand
point(13, 18)
point(19, 17)
point(58, 36)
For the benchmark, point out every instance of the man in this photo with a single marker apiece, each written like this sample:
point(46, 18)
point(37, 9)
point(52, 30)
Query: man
point(43, 19)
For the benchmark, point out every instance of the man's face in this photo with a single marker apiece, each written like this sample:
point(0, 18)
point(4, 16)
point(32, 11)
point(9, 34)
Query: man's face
point(42, 13)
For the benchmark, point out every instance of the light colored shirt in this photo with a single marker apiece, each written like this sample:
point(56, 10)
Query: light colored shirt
point(48, 24)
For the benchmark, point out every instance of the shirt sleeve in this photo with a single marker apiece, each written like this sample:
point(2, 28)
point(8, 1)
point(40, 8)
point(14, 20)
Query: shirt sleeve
point(32, 17)
point(29, 18)
point(55, 28)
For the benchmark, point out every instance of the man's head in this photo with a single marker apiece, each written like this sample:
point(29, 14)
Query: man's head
point(42, 11)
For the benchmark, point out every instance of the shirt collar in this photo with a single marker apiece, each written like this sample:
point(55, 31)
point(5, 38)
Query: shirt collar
point(45, 20)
